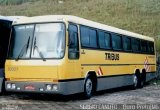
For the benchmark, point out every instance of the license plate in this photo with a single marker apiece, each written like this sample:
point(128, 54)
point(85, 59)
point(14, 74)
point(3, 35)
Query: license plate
point(30, 87)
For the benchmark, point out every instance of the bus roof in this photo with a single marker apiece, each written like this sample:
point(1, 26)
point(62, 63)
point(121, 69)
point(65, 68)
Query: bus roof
point(78, 20)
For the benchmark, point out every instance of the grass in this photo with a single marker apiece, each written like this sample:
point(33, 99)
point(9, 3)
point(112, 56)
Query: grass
point(14, 2)
point(140, 16)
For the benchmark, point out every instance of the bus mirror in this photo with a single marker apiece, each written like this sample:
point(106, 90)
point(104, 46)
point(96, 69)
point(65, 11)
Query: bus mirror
point(72, 38)
point(73, 54)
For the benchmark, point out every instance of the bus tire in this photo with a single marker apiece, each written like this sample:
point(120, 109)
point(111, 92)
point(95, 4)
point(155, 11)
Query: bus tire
point(135, 81)
point(141, 85)
point(88, 88)
point(142, 80)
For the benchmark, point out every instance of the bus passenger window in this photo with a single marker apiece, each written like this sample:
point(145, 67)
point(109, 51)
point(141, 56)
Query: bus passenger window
point(104, 40)
point(150, 47)
point(73, 42)
point(93, 38)
point(107, 40)
point(144, 46)
point(101, 39)
point(85, 36)
point(116, 42)
point(127, 43)
point(136, 45)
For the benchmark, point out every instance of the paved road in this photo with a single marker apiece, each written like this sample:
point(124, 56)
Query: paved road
point(110, 99)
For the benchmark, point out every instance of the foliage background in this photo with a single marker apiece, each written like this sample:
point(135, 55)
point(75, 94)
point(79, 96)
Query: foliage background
point(140, 16)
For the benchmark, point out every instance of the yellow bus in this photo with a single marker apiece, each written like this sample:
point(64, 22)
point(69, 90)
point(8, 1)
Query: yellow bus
point(63, 54)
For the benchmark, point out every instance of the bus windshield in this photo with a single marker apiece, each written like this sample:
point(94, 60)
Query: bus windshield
point(40, 41)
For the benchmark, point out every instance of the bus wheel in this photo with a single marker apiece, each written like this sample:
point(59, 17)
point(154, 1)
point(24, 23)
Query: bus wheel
point(135, 81)
point(88, 88)
point(141, 84)
point(142, 80)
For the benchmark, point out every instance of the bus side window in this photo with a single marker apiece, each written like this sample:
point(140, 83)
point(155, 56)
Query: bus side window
point(126, 43)
point(144, 46)
point(136, 46)
point(151, 46)
point(116, 42)
point(104, 39)
point(73, 47)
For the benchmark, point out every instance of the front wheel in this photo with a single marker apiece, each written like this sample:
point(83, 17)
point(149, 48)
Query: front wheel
point(88, 88)
point(135, 82)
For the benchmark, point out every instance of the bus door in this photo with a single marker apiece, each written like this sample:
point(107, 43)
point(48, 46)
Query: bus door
point(73, 51)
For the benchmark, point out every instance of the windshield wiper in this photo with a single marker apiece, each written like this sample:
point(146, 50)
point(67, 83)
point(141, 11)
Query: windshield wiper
point(25, 48)
point(39, 52)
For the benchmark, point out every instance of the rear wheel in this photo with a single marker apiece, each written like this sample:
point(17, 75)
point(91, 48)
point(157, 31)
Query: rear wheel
point(88, 88)
point(142, 80)
point(141, 83)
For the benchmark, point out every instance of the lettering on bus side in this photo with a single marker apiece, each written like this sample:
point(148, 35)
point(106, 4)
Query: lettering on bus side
point(112, 56)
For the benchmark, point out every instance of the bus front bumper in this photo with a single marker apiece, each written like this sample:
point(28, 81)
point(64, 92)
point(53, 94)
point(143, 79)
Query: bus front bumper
point(35, 87)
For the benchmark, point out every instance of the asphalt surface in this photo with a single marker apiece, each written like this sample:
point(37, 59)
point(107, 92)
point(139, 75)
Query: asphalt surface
point(147, 98)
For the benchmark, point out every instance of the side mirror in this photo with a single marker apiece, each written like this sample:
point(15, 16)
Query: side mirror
point(73, 54)
point(72, 38)
point(73, 51)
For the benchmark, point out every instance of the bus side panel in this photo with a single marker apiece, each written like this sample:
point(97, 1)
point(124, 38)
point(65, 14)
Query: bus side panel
point(150, 76)
point(71, 87)
point(116, 72)
point(113, 82)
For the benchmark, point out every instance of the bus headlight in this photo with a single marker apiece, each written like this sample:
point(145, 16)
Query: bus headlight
point(51, 87)
point(13, 86)
point(55, 88)
point(8, 86)
point(48, 87)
